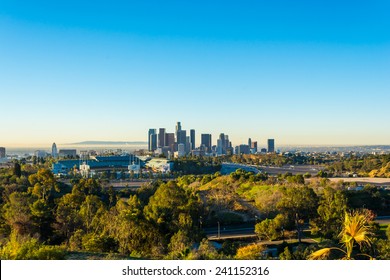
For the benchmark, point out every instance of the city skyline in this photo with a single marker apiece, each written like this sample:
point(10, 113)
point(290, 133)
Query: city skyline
point(303, 73)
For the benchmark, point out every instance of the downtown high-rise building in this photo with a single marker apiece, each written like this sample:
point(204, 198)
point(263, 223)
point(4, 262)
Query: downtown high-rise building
point(178, 128)
point(161, 138)
point(153, 142)
point(224, 146)
point(188, 144)
point(170, 141)
point(221, 147)
point(2, 152)
point(192, 139)
point(152, 131)
point(243, 150)
point(271, 145)
point(205, 140)
point(254, 146)
point(181, 137)
point(152, 139)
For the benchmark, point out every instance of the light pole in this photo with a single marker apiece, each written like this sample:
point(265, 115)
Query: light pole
point(219, 231)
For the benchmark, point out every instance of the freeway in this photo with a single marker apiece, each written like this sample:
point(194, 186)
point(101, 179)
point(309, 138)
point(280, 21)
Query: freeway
point(294, 169)
point(272, 170)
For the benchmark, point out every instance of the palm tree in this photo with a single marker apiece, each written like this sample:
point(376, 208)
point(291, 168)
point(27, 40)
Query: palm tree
point(355, 231)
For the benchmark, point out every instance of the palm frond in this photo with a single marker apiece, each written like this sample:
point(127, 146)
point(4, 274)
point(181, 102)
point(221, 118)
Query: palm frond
point(320, 254)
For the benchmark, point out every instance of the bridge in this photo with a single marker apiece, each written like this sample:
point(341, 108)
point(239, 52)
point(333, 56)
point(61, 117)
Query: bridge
point(228, 168)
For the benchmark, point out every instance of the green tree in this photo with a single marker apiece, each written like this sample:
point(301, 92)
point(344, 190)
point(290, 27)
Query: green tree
point(286, 254)
point(179, 246)
point(171, 208)
point(17, 170)
point(42, 217)
point(17, 213)
point(298, 204)
point(91, 211)
point(67, 216)
point(250, 252)
point(206, 251)
point(267, 230)
point(331, 210)
point(43, 183)
point(134, 234)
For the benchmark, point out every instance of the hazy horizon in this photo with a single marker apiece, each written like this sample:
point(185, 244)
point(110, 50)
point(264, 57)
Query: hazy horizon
point(302, 72)
point(70, 145)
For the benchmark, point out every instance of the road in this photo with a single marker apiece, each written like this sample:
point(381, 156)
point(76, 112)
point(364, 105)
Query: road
point(294, 169)
point(364, 180)
point(235, 232)
point(117, 184)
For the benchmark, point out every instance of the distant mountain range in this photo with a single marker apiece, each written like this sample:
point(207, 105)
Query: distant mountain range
point(110, 143)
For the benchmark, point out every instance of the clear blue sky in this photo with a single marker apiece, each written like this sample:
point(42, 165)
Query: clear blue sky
point(302, 72)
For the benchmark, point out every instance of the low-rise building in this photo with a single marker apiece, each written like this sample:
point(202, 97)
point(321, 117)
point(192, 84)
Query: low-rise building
point(160, 165)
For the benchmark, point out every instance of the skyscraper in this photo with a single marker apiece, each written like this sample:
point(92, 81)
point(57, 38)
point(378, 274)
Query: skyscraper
point(161, 138)
point(221, 146)
point(54, 151)
point(250, 143)
point(243, 150)
point(151, 132)
point(181, 137)
point(170, 141)
point(188, 144)
point(254, 146)
point(206, 141)
point(227, 143)
point(181, 150)
point(2, 152)
point(192, 140)
point(178, 128)
point(271, 145)
point(153, 142)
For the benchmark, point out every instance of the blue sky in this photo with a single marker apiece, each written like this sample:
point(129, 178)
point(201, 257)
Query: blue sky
point(302, 72)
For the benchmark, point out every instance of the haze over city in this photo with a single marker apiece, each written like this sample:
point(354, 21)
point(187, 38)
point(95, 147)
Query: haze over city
point(303, 73)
